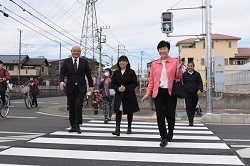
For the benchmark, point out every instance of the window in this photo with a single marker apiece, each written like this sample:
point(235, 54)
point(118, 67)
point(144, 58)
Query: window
point(204, 45)
point(229, 44)
point(42, 69)
point(226, 62)
point(190, 60)
point(239, 62)
point(212, 45)
point(10, 67)
point(202, 62)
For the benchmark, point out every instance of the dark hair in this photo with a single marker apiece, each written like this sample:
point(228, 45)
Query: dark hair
point(123, 58)
point(31, 76)
point(163, 44)
point(1, 62)
point(191, 62)
point(109, 70)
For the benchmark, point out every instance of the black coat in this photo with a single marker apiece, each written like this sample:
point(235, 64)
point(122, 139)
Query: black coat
point(78, 77)
point(128, 97)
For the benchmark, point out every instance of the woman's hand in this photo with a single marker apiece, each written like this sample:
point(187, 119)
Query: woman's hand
point(144, 97)
point(198, 92)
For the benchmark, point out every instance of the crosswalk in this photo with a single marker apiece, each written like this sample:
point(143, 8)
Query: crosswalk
point(191, 145)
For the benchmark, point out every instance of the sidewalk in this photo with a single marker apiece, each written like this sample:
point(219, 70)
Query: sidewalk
point(229, 116)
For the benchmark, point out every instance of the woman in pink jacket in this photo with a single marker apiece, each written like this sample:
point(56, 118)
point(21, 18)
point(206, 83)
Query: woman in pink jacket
point(162, 75)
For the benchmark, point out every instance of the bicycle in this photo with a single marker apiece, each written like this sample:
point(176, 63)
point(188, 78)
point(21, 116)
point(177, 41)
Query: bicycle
point(4, 109)
point(27, 96)
point(89, 99)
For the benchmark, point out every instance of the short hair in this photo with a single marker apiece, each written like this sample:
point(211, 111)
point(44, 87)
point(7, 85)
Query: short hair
point(163, 44)
point(191, 62)
point(109, 70)
point(123, 58)
point(1, 62)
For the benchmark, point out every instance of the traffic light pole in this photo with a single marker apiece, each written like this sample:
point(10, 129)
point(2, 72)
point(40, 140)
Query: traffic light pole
point(208, 42)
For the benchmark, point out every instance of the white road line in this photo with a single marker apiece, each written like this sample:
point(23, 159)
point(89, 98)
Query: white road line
point(125, 156)
point(183, 137)
point(240, 146)
point(149, 123)
point(4, 147)
point(12, 132)
point(14, 165)
point(128, 143)
point(237, 140)
point(145, 130)
point(21, 117)
point(52, 114)
point(143, 126)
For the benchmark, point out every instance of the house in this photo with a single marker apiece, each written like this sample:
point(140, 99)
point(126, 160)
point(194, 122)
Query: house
point(193, 49)
point(28, 66)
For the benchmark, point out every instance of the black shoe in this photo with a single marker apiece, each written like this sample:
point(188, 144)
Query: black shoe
point(170, 135)
point(117, 131)
point(36, 105)
point(78, 129)
point(191, 124)
point(109, 119)
point(163, 143)
point(129, 131)
point(106, 121)
point(72, 130)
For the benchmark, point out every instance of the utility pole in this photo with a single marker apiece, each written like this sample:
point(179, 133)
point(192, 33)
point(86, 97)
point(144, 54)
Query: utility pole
point(59, 63)
point(208, 41)
point(119, 48)
point(19, 59)
point(102, 39)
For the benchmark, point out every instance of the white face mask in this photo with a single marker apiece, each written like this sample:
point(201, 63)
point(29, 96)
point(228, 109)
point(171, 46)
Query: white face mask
point(106, 74)
point(31, 78)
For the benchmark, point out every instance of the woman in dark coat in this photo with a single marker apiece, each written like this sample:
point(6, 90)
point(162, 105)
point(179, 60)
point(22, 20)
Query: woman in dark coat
point(124, 82)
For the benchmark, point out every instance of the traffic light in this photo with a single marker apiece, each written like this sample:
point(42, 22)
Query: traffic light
point(167, 22)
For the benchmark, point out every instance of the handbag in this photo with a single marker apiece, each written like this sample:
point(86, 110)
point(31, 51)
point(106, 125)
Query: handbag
point(111, 92)
point(178, 89)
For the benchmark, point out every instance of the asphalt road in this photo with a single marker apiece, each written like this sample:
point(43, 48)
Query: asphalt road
point(39, 136)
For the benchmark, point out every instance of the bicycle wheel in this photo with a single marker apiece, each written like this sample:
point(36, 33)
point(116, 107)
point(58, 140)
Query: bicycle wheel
point(4, 111)
point(86, 101)
point(27, 101)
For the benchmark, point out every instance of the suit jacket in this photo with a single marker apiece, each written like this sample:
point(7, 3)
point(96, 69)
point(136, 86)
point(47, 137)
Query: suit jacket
point(128, 97)
point(78, 77)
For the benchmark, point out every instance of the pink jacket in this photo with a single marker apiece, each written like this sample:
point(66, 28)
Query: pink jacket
point(155, 75)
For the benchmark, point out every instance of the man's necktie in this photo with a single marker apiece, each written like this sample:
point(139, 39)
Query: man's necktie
point(75, 65)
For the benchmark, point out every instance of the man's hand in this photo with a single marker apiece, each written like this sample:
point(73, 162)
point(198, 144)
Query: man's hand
point(62, 85)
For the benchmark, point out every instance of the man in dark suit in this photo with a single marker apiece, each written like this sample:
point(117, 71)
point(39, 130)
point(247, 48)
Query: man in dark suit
point(76, 69)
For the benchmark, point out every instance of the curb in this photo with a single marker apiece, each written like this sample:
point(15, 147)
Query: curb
point(226, 118)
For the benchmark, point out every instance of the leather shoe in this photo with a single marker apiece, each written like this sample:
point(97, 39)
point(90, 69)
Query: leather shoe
point(191, 124)
point(170, 135)
point(163, 143)
point(78, 130)
point(72, 130)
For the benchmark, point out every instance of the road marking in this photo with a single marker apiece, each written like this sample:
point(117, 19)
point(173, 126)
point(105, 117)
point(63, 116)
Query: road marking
point(21, 117)
point(4, 147)
point(240, 146)
point(144, 126)
point(182, 137)
point(12, 132)
point(128, 143)
point(237, 140)
point(14, 165)
point(244, 153)
point(146, 123)
point(124, 156)
point(145, 130)
point(52, 114)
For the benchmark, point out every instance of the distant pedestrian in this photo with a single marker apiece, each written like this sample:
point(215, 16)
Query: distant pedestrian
point(193, 87)
point(124, 81)
point(4, 78)
point(108, 98)
point(33, 84)
point(162, 75)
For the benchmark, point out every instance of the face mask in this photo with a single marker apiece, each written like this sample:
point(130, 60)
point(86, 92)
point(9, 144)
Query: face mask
point(106, 74)
point(31, 78)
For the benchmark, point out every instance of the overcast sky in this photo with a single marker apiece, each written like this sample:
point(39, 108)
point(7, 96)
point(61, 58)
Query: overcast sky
point(135, 24)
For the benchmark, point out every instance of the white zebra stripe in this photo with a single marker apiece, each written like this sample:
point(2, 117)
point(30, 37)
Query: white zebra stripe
point(124, 156)
point(128, 143)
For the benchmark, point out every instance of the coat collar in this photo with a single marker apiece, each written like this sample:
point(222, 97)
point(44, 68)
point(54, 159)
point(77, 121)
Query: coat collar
point(169, 59)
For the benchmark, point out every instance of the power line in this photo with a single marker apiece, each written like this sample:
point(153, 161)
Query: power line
point(44, 22)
